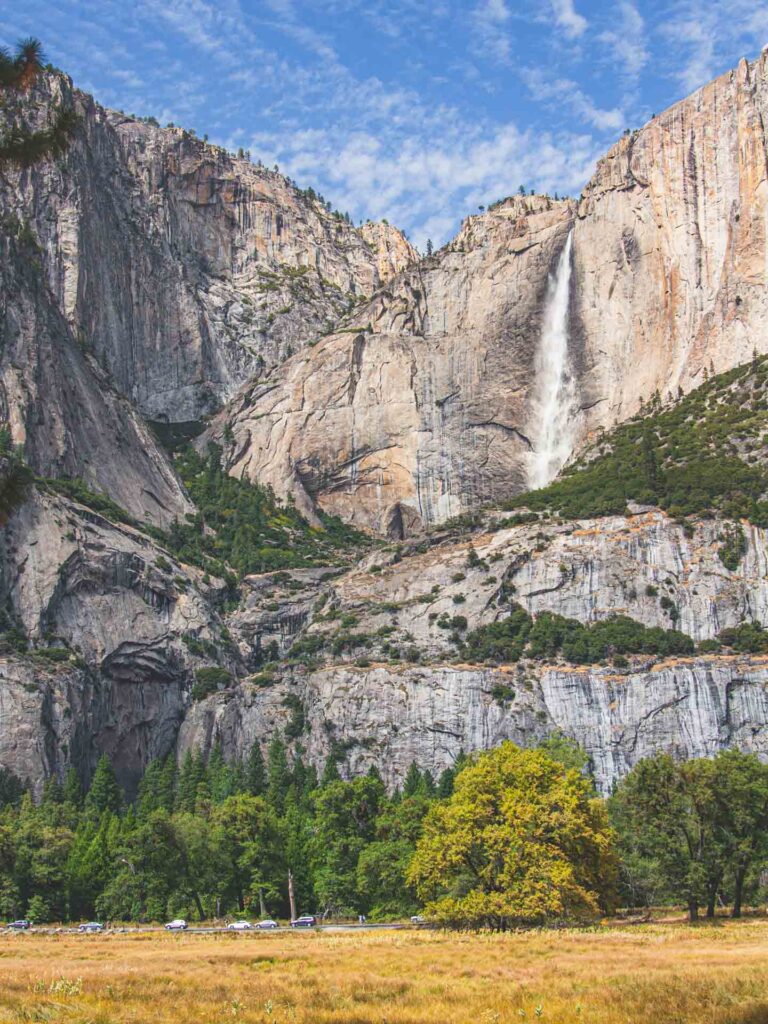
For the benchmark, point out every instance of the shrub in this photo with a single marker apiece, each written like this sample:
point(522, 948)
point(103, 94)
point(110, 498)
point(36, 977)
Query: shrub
point(733, 547)
point(208, 680)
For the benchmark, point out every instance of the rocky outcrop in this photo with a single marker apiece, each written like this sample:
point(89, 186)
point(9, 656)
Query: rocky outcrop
point(417, 409)
point(391, 717)
point(646, 566)
point(136, 624)
point(183, 269)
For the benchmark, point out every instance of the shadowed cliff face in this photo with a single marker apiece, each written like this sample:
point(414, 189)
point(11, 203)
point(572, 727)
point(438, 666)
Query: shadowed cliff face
point(428, 409)
point(184, 270)
point(62, 407)
point(420, 408)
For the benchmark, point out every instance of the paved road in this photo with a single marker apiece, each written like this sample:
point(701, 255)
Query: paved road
point(209, 930)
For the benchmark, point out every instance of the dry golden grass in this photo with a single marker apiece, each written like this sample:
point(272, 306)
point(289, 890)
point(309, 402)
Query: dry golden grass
point(665, 974)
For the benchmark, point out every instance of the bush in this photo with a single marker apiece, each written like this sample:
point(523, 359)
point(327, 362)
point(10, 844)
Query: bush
point(209, 680)
point(747, 638)
point(733, 547)
point(551, 635)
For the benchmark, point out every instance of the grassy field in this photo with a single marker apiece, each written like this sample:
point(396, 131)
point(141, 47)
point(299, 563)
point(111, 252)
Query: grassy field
point(665, 974)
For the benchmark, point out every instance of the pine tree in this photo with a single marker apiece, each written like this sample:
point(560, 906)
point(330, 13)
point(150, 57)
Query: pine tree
point(190, 777)
point(413, 780)
point(219, 775)
point(104, 794)
point(330, 771)
point(279, 778)
point(73, 790)
point(19, 145)
point(255, 771)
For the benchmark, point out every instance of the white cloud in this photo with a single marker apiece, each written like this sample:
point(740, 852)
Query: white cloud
point(422, 182)
point(489, 19)
point(704, 37)
point(567, 93)
point(568, 19)
point(627, 41)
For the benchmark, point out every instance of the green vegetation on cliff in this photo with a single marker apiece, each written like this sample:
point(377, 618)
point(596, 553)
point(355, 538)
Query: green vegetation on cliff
point(242, 525)
point(707, 454)
point(238, 526)
point(551, 636)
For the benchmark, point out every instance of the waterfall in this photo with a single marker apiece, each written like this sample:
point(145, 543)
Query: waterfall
point(554, 399)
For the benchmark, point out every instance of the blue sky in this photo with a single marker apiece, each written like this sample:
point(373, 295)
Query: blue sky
point(410, 110)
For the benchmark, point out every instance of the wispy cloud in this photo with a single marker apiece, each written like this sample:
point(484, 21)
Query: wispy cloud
point(566, 92)
point(489, 25)
point(568, 19)
point(627, 42)
point(419, 182)
point(700, 33)
point(408, 109)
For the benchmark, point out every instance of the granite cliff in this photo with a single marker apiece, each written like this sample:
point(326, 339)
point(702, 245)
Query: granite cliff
point(149, 278)
point(430, 391)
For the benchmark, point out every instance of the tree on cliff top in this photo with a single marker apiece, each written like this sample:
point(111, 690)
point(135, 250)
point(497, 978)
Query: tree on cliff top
point(521, 840)
point(20, 145)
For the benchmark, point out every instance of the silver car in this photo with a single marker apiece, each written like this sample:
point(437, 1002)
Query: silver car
point(177, 925)
point(91, 926)
point(239, 926)
point(268, 923)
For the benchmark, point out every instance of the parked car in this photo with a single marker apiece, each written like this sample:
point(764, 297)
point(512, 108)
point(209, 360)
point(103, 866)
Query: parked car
point(178, 924)
point(239, 926)
point(269, 923)
point(91, 926)
point(20, 925)
point(418, 919)
point(305, 921)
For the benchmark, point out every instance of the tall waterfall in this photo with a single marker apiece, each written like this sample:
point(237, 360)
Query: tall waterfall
point(554, 403)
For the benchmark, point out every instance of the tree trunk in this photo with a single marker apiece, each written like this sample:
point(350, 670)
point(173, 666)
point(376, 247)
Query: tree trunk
point(738, 892)
point(198, 904)
point(262, 905)
point(291, 896)
point(693, 910)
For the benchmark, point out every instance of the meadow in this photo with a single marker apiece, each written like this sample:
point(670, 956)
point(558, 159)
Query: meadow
point(710, 974)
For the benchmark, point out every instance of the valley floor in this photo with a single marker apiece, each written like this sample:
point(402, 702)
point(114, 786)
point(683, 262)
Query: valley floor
point(615, 975)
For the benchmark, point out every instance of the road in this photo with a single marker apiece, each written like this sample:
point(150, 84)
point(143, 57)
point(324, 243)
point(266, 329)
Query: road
point(208, 929)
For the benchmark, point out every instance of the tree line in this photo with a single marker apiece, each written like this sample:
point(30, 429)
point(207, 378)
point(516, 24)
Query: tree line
point(507, 837)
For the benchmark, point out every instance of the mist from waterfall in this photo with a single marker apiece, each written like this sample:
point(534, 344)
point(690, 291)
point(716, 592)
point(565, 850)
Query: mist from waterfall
point(554, 403)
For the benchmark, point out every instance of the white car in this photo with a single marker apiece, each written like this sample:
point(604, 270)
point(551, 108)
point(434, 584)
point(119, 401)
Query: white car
point(91, 926)
point(177, 925)
point(418, 919)
point(269, 923)
point(239, 926)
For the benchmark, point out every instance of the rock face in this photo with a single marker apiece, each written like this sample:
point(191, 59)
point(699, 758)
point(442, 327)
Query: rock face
point(670, 248)
point(429, 408)
point(185, 271)
point(149, 274)
point(63, 409)
point(127, 613)
point(643, 566)
point(418, 408)
point(392, 717)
